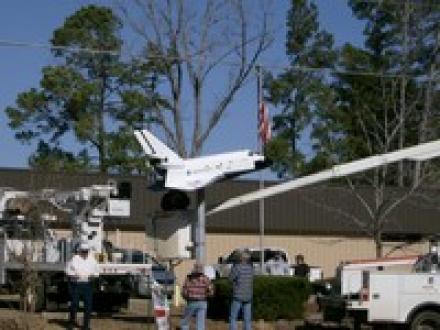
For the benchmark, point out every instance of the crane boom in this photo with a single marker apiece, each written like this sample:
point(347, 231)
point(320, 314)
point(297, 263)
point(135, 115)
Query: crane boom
point(418, 152)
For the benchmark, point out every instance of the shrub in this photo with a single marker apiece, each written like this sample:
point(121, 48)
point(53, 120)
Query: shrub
point(275, 297)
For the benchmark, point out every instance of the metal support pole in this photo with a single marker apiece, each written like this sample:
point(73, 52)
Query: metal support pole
point(200, 234)
point(261, 183)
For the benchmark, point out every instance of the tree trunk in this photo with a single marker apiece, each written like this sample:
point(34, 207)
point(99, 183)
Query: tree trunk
point(423, 128)
point(197, 95)
point(378, 243)
point(101, 130)
point(403, 85)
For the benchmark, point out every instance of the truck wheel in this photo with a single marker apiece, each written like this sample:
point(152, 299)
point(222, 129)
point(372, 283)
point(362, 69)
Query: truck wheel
point(428, 320)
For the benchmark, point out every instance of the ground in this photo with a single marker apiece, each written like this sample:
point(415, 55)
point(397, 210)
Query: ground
point(14, 320)
point(133, 318)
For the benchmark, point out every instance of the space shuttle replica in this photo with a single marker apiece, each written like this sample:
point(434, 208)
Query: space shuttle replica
point(191, 174)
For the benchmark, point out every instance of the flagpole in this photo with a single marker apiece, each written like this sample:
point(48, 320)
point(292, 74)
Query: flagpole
point(261, 181)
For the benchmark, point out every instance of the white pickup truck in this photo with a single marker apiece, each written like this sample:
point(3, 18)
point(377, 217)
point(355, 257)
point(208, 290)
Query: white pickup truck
point(412, 300)
point(223, 267)
point(401, 297)
point(351, 273)
point(402, 291)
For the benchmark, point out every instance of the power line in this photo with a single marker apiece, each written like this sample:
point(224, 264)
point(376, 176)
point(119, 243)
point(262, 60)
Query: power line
point(417, 3)
point(8, 43)
point(187, 58)
point(299, 68)
point(92, 51)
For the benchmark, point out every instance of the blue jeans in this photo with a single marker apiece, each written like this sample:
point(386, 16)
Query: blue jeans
point(246, 307)
point(78, 290)
point(198, 308)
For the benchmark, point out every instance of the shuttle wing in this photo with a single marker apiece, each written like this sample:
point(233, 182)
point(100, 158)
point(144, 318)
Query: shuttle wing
point(156, 149)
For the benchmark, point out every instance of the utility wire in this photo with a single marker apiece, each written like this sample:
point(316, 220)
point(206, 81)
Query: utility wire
point(416, 3)
point(300, 68)
point(8, 43)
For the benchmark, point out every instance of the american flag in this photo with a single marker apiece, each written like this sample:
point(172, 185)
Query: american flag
point(264, 129)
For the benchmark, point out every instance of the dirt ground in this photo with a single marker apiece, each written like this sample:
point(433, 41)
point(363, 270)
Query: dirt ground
point(134, 318)
point(15, 320)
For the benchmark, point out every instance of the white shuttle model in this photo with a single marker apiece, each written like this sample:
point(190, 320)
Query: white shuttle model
point(195, 173)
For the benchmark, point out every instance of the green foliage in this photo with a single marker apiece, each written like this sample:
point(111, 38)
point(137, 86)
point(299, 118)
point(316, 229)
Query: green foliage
point(279, 151)
point(275, 297)
point(219, 304)
point(350, 115)
point(382, 97)
point(380, 112)
point(55, 159)
point(90, 97)
point(300, 94)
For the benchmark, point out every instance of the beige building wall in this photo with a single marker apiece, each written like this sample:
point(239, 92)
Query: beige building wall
point(324, 251)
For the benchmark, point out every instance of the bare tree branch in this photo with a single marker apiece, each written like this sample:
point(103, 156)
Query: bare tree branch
point(243, 73)
point(360, 198)
point(349, 216)
point(190, 45)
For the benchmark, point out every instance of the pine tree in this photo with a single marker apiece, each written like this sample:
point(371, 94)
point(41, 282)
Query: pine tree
point(88, 102)
point(300, 91)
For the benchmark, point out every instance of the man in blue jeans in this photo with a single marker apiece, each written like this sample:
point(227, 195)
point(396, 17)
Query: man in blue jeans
point(196, 289)
point(80, 271)
point(241, 276)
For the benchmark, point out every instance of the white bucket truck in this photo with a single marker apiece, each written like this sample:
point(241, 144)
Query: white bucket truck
point(408, 298)
point(28, 241)
point(404, 292)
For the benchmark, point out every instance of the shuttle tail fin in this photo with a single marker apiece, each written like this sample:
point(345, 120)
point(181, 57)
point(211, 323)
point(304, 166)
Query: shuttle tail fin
point(156, 149)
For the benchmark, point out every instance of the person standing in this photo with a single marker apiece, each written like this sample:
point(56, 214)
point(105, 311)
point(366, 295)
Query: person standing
point(196, 289)
point(301, 268)
point(242, 277)
point(277, 265)
point(81, 269)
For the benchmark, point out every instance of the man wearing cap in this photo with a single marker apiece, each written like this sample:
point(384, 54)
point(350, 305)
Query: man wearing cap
point(242, 276)
point(81, 269)
point(196, 289)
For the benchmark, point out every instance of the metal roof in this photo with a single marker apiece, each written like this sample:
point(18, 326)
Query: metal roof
point(322, 209)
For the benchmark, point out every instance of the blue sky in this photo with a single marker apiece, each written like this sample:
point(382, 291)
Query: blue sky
point(34, 22)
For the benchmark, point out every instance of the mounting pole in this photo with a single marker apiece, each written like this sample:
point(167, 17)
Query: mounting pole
point(261, 180)
point(200, 232)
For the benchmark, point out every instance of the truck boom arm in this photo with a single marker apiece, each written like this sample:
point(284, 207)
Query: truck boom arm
point(418, 152)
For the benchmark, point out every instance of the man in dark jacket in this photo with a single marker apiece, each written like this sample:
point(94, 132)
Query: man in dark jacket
point(241, 276)
point(301, 268)
point(196, 289)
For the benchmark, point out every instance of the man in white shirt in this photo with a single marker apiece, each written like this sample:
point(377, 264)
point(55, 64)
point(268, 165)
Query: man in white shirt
point(277, 266)
point(81, 269)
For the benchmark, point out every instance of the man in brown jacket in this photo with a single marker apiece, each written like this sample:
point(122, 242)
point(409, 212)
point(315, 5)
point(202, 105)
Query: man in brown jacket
point(196, 289)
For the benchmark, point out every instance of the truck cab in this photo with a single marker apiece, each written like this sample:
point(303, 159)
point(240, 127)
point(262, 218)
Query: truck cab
point(396, 292)
point(224, 265)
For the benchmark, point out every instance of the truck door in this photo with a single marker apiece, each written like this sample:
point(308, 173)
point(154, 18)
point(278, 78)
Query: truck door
point(417, 289)
point(384, 291)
